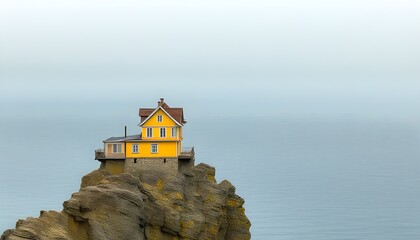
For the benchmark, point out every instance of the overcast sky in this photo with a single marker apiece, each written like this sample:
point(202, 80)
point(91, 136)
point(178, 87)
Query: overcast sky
point(359, 53)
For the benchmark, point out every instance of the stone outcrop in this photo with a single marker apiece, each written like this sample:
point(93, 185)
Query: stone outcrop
point(143, 205)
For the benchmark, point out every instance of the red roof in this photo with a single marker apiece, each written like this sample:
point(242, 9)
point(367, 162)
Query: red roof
point(176, 113)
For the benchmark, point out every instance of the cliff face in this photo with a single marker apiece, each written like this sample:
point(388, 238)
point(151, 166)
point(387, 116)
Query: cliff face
point(143, 205)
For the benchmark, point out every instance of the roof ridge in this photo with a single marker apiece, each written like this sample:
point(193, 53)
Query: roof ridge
point(177, 113)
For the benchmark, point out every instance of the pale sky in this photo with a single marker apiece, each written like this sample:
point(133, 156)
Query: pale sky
point(362, 54)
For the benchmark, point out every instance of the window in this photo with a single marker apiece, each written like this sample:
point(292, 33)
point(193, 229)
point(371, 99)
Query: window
point(135, 148)
point(173, 132)
point(116, 148)
point(149, 132)
point(159, 118)
point(154, 148)
point(162, 132)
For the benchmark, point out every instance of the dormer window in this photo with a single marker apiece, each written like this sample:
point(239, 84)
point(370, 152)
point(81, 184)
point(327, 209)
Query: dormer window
point(159, 118)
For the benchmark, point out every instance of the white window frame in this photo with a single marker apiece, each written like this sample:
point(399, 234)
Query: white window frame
point(116, 148)
point(152, 147)
point(160, 118)
point(162, 132)
point(135, 148)
point(149, 132)
point(174, 132)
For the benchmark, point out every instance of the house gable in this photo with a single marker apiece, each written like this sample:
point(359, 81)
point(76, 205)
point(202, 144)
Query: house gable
point(153, 121)
point(176, 114)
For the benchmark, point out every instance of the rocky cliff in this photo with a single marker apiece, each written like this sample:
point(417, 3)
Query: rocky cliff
point(143, 205)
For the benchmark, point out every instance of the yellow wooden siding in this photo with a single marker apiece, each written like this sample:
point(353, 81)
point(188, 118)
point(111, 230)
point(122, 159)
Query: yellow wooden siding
point(156, 133)
point(166, 120)
point(165, 149)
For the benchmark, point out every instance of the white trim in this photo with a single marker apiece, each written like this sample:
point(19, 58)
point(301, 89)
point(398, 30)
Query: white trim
point(151, 148)
point(174, 130)
point(164, 132)
point(118, 145)
point(167, 126)
point(160, 107)
point(147, 132)
point(132, 148)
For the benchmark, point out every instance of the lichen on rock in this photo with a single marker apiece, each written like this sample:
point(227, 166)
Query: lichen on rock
point(144, 205)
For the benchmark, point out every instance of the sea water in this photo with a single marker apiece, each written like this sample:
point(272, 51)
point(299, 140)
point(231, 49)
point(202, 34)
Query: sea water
point(302, 178)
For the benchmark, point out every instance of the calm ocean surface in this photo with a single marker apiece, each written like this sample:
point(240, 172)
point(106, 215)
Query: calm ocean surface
point(301, 179)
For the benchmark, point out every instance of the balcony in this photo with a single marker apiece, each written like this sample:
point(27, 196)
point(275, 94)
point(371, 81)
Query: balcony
point(187, 153)
point(100, 155)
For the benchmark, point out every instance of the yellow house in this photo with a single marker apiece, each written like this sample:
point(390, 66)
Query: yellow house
point(160, 137)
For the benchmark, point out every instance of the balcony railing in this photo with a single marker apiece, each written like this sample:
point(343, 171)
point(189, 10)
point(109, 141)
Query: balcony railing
point(187, 153)
point(99, 154)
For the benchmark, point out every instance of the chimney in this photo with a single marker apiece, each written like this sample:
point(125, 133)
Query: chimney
point(160, 103)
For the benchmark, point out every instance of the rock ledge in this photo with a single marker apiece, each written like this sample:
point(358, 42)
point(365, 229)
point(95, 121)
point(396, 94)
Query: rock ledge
point(143, 205)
